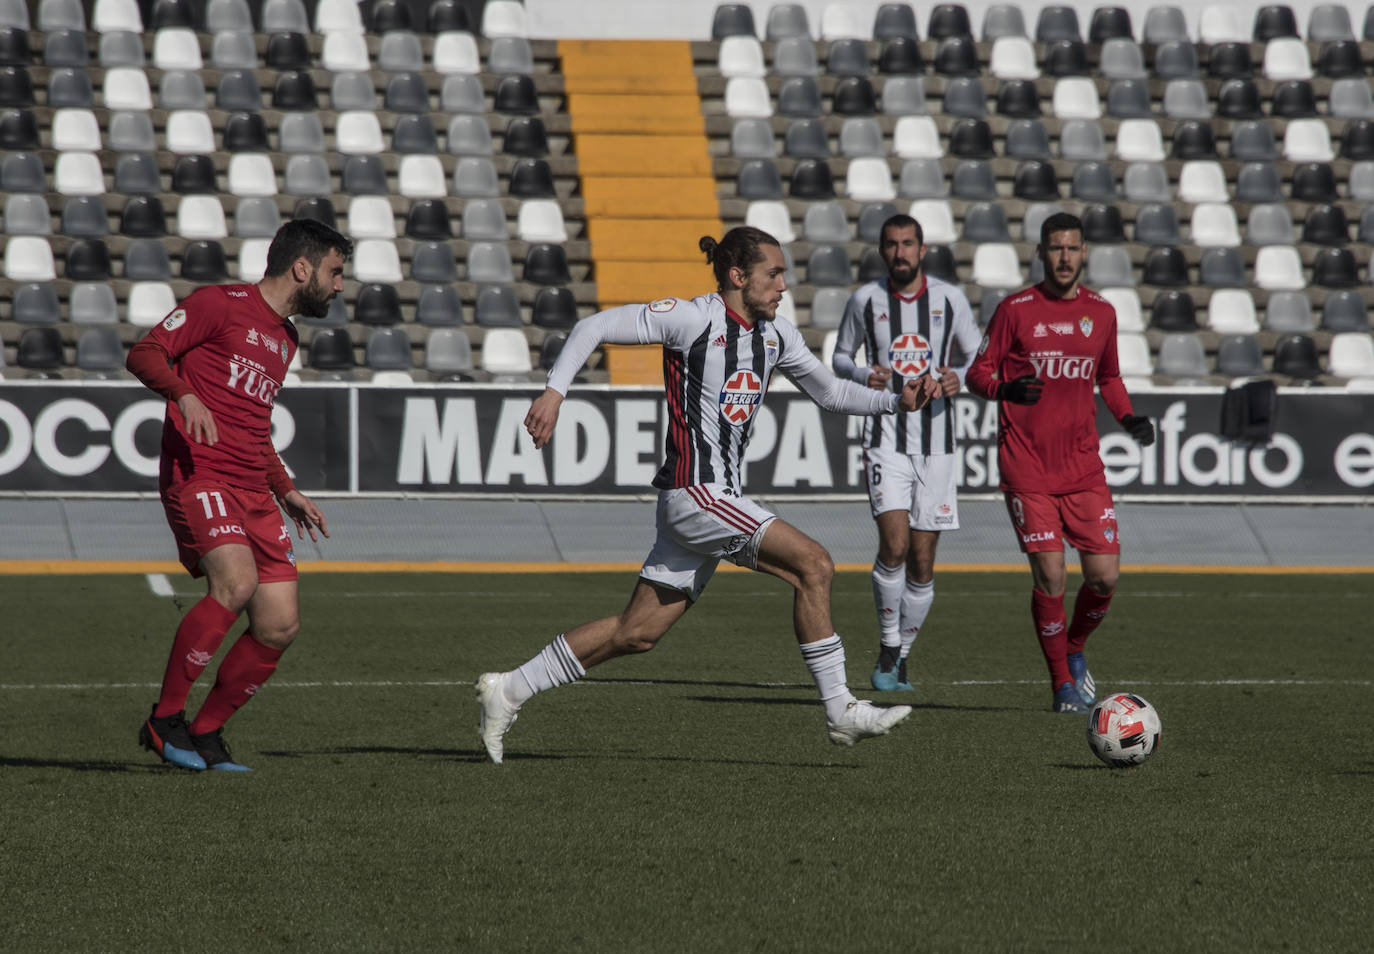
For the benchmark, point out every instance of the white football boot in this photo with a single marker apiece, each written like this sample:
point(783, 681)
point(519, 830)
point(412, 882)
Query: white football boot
point(498, 713)
point(863, 720)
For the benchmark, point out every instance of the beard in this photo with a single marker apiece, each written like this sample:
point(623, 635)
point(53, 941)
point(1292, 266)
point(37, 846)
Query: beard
point(311, 300)
point(1056, 282)
point(902, 273)
point(756, 307)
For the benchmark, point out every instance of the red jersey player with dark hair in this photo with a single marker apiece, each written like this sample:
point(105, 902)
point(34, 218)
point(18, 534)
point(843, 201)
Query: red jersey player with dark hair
point(1045, 350)
point(219, 359)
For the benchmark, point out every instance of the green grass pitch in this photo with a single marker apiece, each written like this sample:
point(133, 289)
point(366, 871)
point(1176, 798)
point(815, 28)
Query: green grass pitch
point(688, 800)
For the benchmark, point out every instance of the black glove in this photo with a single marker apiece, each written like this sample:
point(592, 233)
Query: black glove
point(1140, 428)
point(1023, 390)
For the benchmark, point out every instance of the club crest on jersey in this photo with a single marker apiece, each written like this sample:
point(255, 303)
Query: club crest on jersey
point(662, 305)
point(1085, 325)
point(285, 355)
point(910, 355)
point(175, 320)
point(740, 397)
point(1110, 534)
point(770, 349)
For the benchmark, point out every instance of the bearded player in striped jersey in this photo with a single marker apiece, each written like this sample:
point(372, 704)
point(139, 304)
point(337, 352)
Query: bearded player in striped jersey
point(1045, 350)
point(908, 325)
point(719, 354)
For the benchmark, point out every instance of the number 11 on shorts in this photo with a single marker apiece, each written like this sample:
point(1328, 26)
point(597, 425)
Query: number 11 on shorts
point(204, 498)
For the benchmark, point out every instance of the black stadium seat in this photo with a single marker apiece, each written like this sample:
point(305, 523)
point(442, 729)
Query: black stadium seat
point(18, 129)
point(811, 179)
point(894, 20)
point(1335, 267)
point(1108, 23)
point(957, 56)
point(547, 264)
point(39, 349)
point(377, 305)
point(1066, 58)
point(294, 90)
point(732, 19)
point(1165, 266)
point(1296, 356)
point(445, 15)
point(900, 55)
point(245, 132)
point(1274, 21)
point(854, 96)
point(204, 261)
point(428, 219)
point(1035, 181)
point(948, 19)
point(531, 179)
point(525, 136)
point(287, 51)
point(88, 260)
point(516, 94)
point(554, 308)
point(1173, 311)
point(1326, 225)
point(331, 350)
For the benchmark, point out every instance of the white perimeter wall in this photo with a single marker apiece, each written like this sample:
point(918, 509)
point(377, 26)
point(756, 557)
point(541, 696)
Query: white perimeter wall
point(691, 19)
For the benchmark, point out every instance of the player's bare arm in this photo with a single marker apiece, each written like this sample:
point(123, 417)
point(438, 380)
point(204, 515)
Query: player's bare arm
point(543, 416)
point(918, 392)
point(200, 423)
point(305, 513)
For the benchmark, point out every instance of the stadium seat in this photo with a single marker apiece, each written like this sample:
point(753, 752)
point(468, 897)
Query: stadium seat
point(916, 137)
point(988, 302)
point(1313, 182)
point(771, 216)
point(854, 96)
point(1035, 215)
point(1176, 59)
point(1259, 182)
point(1240, 355)
point(428, 219)
point(455, 52)
point(1339, 59)
point(799, 96)
point(973, 179)
point(1027, 139)
point(1288, 310)
point(1296, 356)
point(176, 48)
point(497, 307)
point(475, 177)
point(1102, 223)
point(871, 219)
point(1067, 58)
point(554, 308)
point(1139, 140)
point(121, 49)
point(525, 136)
point(1075, 97)
point(370, 217)
point(1186, 99)
point(505, 351)
point(1182, 358)
point(759, 179)
point(406, 93)
point(484, 219)
point(1133, 354)
point(546, 264)
point(861, 136)
point(181, 89)
point(1350, 98)
point(363, 175)
point(540, 220)
point(1326, 225)
point(93, 303)
point(399, 51)
point(69, 86)
point(1109, 266)
point(515, 95)
point(377, 305)
point(1002, 20)
point(439, 306)
point(1214, 224)
point(964, 96)
point(88, 260)
point(1344, 310)
point(1285, 58)
point(740, 56)
point(1222, 268)
point(27, 214)
point(957, 56)
point(900, 56)
point(922, 178)
point(811, 179)
point(1156, 223)
point(376, 260)
point(469, 135)
point(1231, 311)
point(448, 353)
point(752, 139)
point(490, 263)
point(251, 174)
point(828, 265)
point(1351, 355)
point(300, 133)
point(1307, 140)
point(846, 56)
point(1056, 23)
point(1329, 21)
point(937, 221)
point(338, 16)
point(1252, 140)
point(1173, 310)
point(787, 20)
point(1018, 99)
point(78, 173)
point(510, 54)
point(1202, 181)
point(204, 260)
point(1121, 58)
point(827, 307)
point(506, 18)
point(1035, 181)
point(1357, 141)
point(148, 303)
point(84, 216)
point(39, 349)
point(1334, 267)
point(939, 261)
point(986, 222)
point(1093, 181)
point(1294, 99)
point(869, 180)
point(1126, 303)
point(222, 15)
point(1278, 267)
point(1013, 57)
point(1082, 140)
point(531, 179)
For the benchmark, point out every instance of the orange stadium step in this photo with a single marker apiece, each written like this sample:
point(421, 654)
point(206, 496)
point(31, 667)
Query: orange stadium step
point(647, 184)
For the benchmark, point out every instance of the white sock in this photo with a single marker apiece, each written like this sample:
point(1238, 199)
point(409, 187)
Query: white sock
point(825, 659)
point(916, 600)
point(887, 599)
point(556, 665)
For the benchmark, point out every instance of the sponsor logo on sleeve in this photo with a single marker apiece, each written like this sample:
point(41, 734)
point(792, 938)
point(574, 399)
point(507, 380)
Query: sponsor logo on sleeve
point(662, 305)
point(175, 320)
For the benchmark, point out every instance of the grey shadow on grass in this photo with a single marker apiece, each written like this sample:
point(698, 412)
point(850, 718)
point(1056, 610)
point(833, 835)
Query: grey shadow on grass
point(476, 756)
point(810, 702)
point(86, 765)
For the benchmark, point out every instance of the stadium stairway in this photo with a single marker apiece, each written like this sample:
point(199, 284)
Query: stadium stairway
point(647, 178)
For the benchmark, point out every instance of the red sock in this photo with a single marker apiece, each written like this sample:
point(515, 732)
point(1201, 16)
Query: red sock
point(1048, 614)
point(1088, 611)
point(245, 668)
point(198, 638)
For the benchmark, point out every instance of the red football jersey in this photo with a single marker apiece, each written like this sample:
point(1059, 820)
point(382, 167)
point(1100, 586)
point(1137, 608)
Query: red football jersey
point(1070, 344)
point(229, 348)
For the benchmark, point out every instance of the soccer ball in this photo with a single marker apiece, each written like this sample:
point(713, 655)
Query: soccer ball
point(1123, 729)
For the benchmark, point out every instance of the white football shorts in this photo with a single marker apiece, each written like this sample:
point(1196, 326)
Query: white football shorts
point(697, 527)
point(923, 486)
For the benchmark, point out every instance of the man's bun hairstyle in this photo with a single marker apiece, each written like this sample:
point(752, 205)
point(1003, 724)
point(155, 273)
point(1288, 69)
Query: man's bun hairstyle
point(738, 249)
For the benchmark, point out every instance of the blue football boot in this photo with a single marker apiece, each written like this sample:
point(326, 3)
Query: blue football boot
point(169, 738)
point(216, 754)
point(885, 673)
point(903, 684)
point(1068, 699)
point(1082, 679)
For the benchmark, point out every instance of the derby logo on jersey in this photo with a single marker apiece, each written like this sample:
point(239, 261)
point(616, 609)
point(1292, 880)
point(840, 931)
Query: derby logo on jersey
point(741, 396)
point(910, 355)
point(662, 305)
point(175, 320)
point(1085, 325)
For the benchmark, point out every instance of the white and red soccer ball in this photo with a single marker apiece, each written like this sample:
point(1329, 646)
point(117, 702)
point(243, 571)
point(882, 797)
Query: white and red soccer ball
point(1123, 729)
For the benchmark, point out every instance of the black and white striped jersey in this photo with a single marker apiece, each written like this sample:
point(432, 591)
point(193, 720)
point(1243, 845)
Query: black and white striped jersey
point(912, 335)
point(716, 370)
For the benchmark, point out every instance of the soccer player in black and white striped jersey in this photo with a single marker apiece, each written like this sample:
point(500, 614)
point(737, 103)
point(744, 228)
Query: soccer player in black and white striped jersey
point(908, 324)
point(719, 353)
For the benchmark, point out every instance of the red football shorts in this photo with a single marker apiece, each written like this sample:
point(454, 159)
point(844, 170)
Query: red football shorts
point(205, 514)
point(1086, 519)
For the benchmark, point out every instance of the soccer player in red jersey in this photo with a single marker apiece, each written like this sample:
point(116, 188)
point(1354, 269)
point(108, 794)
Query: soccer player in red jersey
point(219, 359)
point(1045, 350)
